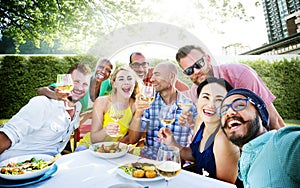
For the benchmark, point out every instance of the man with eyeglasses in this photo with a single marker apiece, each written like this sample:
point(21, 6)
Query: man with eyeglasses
point(198, 66)
point(268, 159)
point(138, 63)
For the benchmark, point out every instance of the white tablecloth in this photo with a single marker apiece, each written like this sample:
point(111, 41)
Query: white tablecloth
point(82, 169)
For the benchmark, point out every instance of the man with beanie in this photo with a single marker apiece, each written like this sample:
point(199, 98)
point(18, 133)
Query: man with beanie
point(268, 159)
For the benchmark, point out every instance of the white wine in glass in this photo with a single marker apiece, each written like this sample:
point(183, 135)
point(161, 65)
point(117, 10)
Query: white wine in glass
point(167, 115)
point(168, 162)
point(115, 113)
point(148, 93)
point(65, 83)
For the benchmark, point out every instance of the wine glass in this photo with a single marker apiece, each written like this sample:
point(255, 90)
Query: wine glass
point(115, 113)
point(168, 162)
point(185, 104)
point(64, 82)
point(148, 94)
point(167, 115)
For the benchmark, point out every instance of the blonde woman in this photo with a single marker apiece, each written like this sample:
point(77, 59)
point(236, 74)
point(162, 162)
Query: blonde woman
point(125, 87)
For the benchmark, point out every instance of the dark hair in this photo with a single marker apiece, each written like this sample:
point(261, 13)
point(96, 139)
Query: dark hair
point(83, 68)
point(184, 51)
point(219, 81)
point(134, 53)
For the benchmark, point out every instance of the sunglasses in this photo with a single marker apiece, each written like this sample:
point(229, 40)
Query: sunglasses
point(137, 65)
point(197, 65)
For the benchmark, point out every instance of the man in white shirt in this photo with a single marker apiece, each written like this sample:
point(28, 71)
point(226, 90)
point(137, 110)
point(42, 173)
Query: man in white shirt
point(45, 125)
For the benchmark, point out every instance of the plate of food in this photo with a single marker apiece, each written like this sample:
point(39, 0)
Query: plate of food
point(109, 150)
point(139, 171)
point(26, 166)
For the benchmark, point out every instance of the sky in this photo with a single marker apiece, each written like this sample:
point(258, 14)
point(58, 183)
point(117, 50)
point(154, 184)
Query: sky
point(183, 14)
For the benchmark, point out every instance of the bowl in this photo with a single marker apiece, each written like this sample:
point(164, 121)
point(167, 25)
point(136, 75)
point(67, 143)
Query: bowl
point(108, 154)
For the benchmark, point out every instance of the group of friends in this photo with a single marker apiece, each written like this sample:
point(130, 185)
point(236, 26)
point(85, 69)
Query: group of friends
point(232, 131)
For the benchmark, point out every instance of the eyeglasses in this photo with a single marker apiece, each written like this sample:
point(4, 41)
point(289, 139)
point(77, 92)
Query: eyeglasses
point(197, 65)
point(137, 65)
point(237, 105)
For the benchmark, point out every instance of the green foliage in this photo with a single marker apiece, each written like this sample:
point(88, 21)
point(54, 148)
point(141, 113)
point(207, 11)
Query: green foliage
point(21, 76)
point(70, 21)
point(282, 78)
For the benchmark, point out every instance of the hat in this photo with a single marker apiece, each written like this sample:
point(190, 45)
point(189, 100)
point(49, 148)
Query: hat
point(258, 103)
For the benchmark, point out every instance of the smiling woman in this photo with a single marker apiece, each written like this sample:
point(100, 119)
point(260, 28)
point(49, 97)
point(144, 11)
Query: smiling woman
point(104, 127)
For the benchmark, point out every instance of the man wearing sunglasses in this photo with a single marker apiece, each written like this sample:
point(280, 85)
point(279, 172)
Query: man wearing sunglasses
point(138, 63)
point(268, 159)
point(198, 66)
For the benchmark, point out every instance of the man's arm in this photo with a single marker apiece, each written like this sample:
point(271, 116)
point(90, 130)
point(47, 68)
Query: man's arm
point(94, 88)
point(48, 92)
point(181, 86)
point(5, 142)
point(276, 122)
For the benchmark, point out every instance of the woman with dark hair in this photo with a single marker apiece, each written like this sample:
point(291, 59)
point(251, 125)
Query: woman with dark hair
point(210, 150)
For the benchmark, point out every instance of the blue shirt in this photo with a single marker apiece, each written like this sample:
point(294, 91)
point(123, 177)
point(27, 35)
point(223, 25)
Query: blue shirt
point(182, 134)
point(272, 159)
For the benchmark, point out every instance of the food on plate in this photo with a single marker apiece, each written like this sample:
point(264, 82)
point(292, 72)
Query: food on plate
point(29, 165)
point(140, 170)
point(112, 148)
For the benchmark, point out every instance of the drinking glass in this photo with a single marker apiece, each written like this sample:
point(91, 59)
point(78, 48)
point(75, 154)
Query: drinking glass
point(148, 94)
point(65, 83)
point(168, 162)
point(185, 104)
point(115, 113)
point(167, 115)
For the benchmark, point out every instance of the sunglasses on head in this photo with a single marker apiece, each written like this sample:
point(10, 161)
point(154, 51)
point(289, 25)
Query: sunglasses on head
point(197, 65)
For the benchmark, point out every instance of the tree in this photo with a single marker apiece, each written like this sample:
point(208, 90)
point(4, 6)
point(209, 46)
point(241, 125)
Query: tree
point(64, 20)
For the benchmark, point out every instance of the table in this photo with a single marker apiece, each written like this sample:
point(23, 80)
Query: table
point(82, 169)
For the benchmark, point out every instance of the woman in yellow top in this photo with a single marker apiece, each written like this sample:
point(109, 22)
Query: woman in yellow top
point(125, 87)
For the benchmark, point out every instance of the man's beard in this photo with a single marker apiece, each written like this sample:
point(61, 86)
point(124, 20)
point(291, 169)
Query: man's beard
point(252, 131)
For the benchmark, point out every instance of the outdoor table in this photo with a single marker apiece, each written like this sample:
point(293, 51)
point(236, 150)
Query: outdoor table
point(82, 169)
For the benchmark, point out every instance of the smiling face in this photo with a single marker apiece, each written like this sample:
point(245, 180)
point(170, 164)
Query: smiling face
point(201, 74)
point(139, 65)
point(240, 126)
point(81, 85)
point(124, 83)
point(163, 77)
point(209, 99)
point(103, 70)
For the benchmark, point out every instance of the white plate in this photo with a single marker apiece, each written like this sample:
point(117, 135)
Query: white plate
point(130, 177)
point(26, 175)
point(124, 148)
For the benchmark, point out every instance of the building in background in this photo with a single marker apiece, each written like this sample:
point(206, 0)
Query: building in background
point(282, 19)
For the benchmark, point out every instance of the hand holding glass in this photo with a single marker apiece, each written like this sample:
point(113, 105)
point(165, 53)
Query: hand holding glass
point(65, 83)
point(168, 162)
point(185, 104)
point(148, 92)
point(148, 95)
point(115, 113)
point(167, 115)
